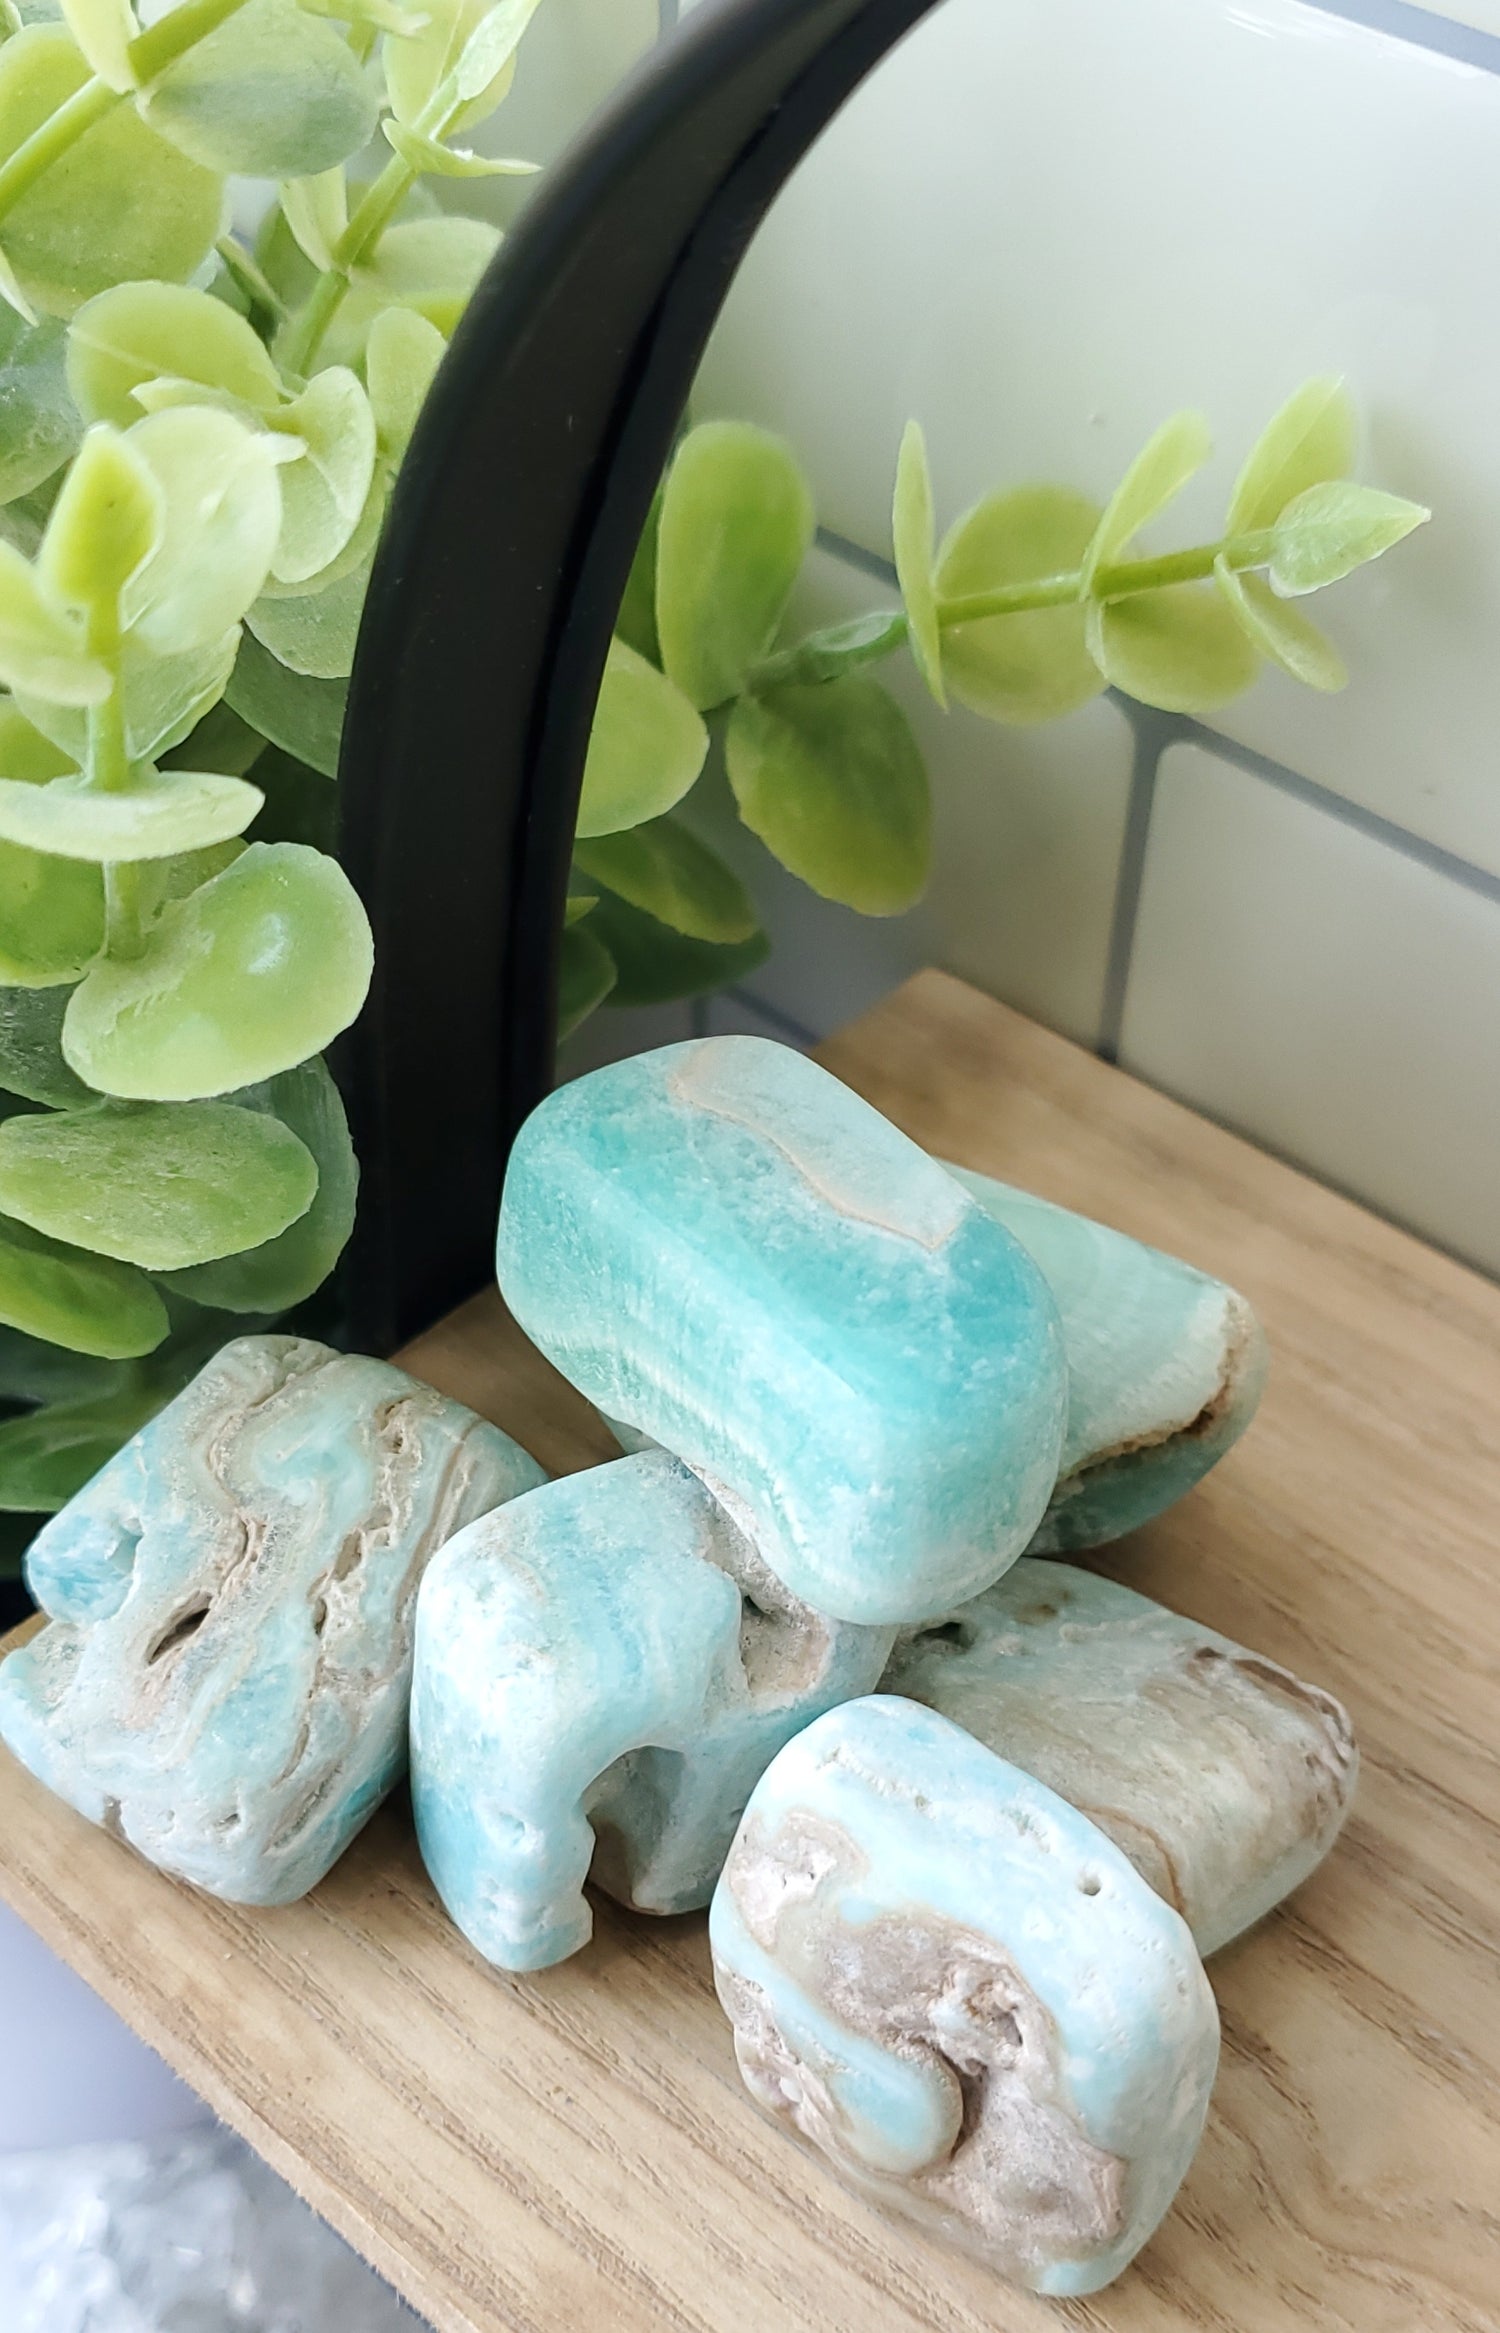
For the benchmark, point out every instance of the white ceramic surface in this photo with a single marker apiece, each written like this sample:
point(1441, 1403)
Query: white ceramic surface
point(70, 2072)
point(1319, 990)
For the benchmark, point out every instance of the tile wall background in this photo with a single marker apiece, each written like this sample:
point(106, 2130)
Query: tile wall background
point(1043, 225)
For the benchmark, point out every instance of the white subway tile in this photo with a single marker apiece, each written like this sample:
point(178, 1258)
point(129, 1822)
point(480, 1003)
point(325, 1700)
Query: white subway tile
point(1043, 226)
point(1028, 828)
point(1325, 994)
point(574, 54)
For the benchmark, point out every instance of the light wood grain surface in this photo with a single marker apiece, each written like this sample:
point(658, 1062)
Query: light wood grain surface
point(572, 2153)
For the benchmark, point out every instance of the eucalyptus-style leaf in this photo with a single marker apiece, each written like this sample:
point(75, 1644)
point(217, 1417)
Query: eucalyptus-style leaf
point(48, 1455)
point(474, 42)
point(251, 975)
point(839, 649)
point(1308, 442)
point(272, 1278)
point(636, 622)
point(1156, 477)
point(140, 333)
point(121, 205)
point(104, 30)
point(39, 427)
point(586, 978)
point(1035, 665)
point(324, 492)
point(51, 928)
point(304, 717)
point(222, 514)
point(737, 522)
point(663, 869)
point(317, 211)
point(1180, 648)
point(577, 905)
point(165, 811)
point(42, 647)
point(34, 1369)
point(53, 1289)
point(31, 1062)
point(220, 741)
point(914, 528)
point(833, 782)
point(105, 523)
point(160, 881)
point(1281, 631)
point(163, 698)
point(654, 965)
point(401, 357)
point(1330, 530)
point(51, 919)
point(431, 157)
point(156, 1187)
point(647, 748)
point(431, 265)
point(272, 93)
point(314, 634)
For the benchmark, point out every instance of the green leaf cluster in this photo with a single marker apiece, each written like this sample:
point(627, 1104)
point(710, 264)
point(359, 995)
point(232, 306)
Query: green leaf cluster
point(198, 442)
point(1038, 599)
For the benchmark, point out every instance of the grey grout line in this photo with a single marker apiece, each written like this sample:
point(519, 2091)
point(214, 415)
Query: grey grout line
point(793, 1030)
point(1420, 28)
point(1179, 729)
point(1153, 733)
point(1316, 796)
point(855, 555)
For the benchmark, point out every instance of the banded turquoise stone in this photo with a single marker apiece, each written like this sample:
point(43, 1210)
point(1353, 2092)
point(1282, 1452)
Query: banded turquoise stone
point(603, 1670)
point(1165, 1368)
point(225, 1680)
point(1223, 1777)
point(722, 1246)
point(949, 1983)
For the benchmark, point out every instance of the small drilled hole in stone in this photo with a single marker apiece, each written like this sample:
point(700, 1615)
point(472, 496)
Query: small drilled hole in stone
point(754, 1611)
point(319, 1615)
point(182, 1630)
point(1090, 1884)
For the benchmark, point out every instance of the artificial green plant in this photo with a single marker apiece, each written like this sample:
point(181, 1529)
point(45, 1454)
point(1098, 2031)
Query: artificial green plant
point(199, 430)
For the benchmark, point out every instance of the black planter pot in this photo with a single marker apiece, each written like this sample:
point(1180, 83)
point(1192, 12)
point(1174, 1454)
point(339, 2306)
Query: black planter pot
point(496, 589)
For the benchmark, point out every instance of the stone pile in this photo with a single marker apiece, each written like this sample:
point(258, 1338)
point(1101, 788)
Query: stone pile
point(970, 1817)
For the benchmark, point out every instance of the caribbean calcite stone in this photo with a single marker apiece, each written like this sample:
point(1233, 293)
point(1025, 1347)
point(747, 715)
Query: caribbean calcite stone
point(1165, 1368)
point(226, 1678)
point(733, 1254)
point(603, 1671)
point(951, 1984)
point(1224, 1778)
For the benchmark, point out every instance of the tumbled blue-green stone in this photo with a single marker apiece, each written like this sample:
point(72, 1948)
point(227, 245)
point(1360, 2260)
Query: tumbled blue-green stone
point(1221, 1775)
point(956, 1988)
point(604, 1668)
point(225, 1680)
point(1165, 1368)
point(728, 1250)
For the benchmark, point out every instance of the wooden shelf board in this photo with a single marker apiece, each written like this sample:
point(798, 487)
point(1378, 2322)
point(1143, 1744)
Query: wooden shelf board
point(573, 2153)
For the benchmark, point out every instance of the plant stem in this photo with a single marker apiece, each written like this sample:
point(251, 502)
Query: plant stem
point(48, 143)
point(172, 35)
point(382, 198)
point(251, 279)
point(150, 53)
point(1119, 581)
point(124, 921)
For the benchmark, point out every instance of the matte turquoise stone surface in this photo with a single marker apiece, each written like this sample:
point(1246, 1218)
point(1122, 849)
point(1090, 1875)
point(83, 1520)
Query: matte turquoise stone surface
point(732, 1253)
point(1165, 1368)
point(951, 1984)
point(226, 1677)
point(1224, 1778)
point(603, 1671)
